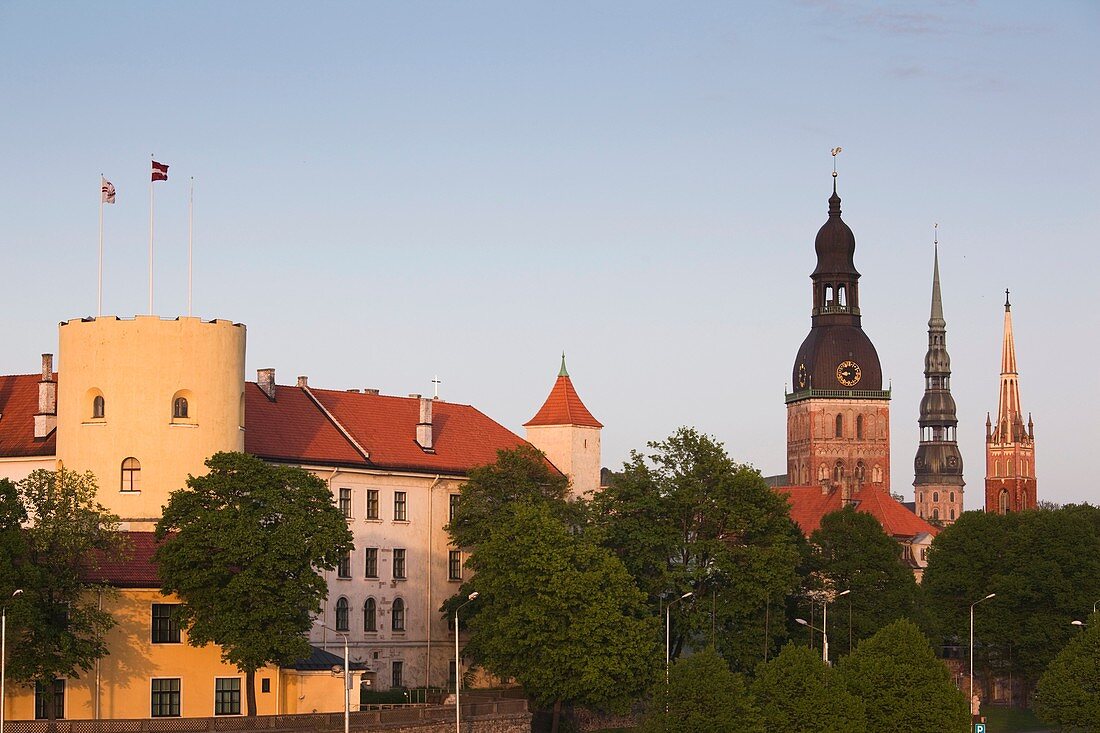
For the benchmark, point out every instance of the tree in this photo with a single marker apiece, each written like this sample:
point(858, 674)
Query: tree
point(518, 475)
point(797, 692)
point(703, 696)
point(1043, 565)
point(902, 684)
point(1068, 693)
point(687, 518)
point(851, 551)
point(242, 547)
point(558, 613)
point(58, 627)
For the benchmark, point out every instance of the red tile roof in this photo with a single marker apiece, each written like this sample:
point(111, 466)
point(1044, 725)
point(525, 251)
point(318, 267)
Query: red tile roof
point(463, 436)
point(133, 568)
point(18, 406)
point(563, 407)
point(292, 429)
point(809, 505)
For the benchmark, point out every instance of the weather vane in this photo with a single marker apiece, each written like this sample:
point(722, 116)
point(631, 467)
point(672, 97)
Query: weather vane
point(836, 151)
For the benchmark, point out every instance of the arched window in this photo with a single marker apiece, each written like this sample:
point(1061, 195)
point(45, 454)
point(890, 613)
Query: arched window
point(839, 426)
point(935, 513)
point(342, 614)
point(1003, 501)
point(397, 615)
point(179, 408)
point(876, 474)
point(370, 615)
point(131, 475)
point(952, 515)
point(98, 407)
point(935, 496)
point(822, 472)
point(838, 471)
point(841, 296)
point(828, 295)
point(859, 427)
point(952, 495)
point(860, 471)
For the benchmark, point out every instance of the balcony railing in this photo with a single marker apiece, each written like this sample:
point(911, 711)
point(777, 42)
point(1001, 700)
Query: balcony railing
point(861, 394)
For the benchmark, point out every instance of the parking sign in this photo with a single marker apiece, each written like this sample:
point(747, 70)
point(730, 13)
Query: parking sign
point(979, 728)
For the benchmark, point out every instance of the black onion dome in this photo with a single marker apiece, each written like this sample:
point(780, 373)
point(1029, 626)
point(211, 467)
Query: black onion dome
point(826, 347)
point(835, 244)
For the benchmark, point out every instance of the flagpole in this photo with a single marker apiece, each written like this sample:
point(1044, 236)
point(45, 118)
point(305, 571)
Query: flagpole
point(99, 299)
point(190, 237)
point(150, 241)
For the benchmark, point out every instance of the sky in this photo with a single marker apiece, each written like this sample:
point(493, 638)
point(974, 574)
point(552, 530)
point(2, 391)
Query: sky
point(387, 192)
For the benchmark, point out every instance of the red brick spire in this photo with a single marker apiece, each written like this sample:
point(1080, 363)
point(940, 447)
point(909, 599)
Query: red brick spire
point(563, 406)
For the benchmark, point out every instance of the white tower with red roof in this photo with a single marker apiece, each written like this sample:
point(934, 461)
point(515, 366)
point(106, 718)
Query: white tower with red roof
point(569, 435)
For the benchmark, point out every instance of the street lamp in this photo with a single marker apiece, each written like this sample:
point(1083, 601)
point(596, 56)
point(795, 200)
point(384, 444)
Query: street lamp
point(1079, 624)
point(825, 625)
point(458, 671)
point(668, 630)
point(972, 646)
point(1094, 606)
point(4, 653)
point(347, 679)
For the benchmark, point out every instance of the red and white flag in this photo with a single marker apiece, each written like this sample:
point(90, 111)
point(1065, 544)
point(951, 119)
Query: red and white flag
point(108, 190)
point(160, 171)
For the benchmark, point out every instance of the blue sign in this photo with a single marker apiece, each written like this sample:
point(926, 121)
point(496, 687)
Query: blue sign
point(979, 728)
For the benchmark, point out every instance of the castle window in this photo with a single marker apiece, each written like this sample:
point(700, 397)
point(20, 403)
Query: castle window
point(859, 427)
point(342, 614)
point(370, 615)
point(397, 615)
point(98, 406)
point(1003, 501)
point(179, 408)
point(131, 475)
point(839, 426)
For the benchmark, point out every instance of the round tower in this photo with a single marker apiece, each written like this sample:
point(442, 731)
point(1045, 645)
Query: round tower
point(144, 402)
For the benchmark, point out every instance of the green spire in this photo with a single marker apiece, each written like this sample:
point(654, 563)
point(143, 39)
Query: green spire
point(563, 372)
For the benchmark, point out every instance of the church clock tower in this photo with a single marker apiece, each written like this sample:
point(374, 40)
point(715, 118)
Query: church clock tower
point(838, 414)
point(938, 481)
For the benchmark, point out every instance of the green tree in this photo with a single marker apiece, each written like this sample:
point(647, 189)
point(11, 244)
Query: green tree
point(558, 613)
point(687, 518)
point(58, 627)
point(851, 551)
point(518, 475)
point(902, 684)
point(703, 696)
point(242, 547)
point(797, 692)
point(1068, 693)
point(1043, 565)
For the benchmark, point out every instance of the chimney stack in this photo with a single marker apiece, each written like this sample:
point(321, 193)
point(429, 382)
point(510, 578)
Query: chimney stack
point(45, 422)
point(265, 380)
point(303, 382)
point(424, 427)
point(370, 391)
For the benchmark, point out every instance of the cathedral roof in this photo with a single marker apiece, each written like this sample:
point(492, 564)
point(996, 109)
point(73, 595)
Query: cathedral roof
point(18, 406)
point(809, 506)
point(835, 243)
point(563, 406)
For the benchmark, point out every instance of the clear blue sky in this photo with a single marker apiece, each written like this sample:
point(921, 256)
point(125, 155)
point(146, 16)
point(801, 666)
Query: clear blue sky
point(387, 191)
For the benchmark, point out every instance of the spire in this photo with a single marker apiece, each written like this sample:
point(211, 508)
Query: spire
point(936, 318)
point(563, 372)
point(1009, 408)
point(563, 406)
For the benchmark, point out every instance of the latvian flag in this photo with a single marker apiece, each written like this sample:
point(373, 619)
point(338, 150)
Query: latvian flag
point(160, 171)
point(108, 189)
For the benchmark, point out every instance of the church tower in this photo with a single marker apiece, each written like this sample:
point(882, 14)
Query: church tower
point(569, 435)
point(1009, 448)
point(938, 481)
point(838, 414)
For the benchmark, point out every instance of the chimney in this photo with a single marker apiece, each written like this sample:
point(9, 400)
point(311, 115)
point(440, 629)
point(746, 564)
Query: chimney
point(265, 380)
point(370, 391)
point(424, 427)
point(303, 382)
point(45, 422)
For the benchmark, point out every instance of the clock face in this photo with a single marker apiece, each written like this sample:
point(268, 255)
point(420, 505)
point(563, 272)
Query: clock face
point(802, 376)
point(848, 373)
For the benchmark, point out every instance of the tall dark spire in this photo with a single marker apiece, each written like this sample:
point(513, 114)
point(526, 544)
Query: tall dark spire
point(938, 467)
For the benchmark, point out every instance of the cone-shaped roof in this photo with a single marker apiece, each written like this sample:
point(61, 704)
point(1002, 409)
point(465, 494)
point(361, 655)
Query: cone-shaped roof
point(563, 406)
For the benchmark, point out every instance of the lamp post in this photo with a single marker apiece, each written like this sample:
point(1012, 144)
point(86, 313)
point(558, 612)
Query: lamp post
point(1094, 606)
point(825, 625)
point(347, 679)
point(4, 654)
point(972, 645)
point(458, 671)
point(668, 630)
